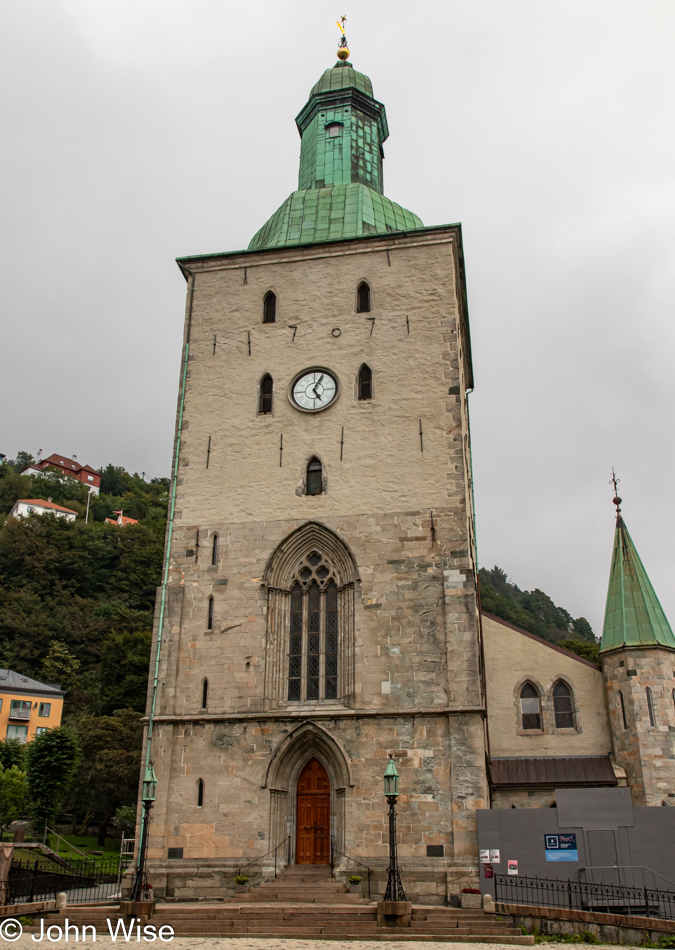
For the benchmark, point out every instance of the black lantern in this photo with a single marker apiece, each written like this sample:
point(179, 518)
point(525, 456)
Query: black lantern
point(394, 890)
point(148, 795)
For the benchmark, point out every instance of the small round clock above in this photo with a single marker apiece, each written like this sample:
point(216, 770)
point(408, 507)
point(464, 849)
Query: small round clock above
point(313, 389)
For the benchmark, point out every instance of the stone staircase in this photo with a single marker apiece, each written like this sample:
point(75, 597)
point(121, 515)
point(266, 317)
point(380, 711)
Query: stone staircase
point(305, 902)
point(306, 884)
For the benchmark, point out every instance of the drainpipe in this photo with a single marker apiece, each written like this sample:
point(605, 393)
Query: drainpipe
point(167, 551)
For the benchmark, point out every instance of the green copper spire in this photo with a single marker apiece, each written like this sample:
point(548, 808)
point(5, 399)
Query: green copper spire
point(633, 615)
point(340, 187)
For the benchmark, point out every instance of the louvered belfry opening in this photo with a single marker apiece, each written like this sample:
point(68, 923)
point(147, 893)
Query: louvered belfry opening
point(363, 301)
point(266, 394)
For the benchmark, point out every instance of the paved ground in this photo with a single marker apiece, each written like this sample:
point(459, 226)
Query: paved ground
point(104, 942)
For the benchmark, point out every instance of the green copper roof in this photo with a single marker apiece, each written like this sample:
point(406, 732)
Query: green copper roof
point(342, 76)
point(633, 615)
point(340, 187)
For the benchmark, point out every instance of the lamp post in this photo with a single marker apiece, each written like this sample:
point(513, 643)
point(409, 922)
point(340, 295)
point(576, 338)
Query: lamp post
point(394, 890)
point(148, 799)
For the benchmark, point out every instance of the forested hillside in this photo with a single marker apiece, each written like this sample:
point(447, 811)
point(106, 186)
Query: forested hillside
point(535, 611)
point(76, 607)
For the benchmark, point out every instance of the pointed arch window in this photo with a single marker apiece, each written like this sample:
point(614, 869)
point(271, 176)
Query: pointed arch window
point(563, 706)
point(266, 394)
point(365, 382)
point(650, 707)
point(205, 693)
point(200, 793)
point(270, 307)
point(313, 638)
point(530, 707)
point(623, 710)
point(314, 477)
point(209, 615)
point(214, 551)
point(363, 299)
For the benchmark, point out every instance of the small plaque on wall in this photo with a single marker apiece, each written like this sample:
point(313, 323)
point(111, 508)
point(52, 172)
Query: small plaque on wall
point(175, 853)
point(435, 850)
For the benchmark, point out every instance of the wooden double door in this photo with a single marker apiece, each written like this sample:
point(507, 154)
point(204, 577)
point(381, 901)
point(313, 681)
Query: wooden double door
point(313, 821)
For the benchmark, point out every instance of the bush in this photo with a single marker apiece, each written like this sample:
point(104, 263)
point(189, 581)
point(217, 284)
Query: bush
point(241, 879)
point(355, 879)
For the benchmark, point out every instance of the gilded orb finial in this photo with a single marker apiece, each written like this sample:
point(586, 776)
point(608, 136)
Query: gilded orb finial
point(343, 49)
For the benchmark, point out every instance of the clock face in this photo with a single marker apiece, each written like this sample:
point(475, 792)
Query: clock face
point(314, 389)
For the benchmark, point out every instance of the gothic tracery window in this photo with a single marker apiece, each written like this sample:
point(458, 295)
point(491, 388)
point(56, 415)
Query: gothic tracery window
point(313, 635)
point(562, 706)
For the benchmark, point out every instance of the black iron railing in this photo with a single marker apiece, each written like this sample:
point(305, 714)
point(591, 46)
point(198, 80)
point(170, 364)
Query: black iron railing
point(275, 852)
point(586, 895)
point(82, 881)
point(334, 851)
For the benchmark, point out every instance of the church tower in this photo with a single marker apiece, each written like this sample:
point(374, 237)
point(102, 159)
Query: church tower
point(319, 607)
point(638, 663)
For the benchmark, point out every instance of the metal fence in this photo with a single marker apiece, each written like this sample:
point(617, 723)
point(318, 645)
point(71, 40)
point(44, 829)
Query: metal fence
point(586, 895)
point(83, 881)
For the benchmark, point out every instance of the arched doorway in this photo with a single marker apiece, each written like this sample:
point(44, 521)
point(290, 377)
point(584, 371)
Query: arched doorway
point(313, 825)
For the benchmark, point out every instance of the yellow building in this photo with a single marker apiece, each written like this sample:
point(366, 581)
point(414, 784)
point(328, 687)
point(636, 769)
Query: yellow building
point(27, 707)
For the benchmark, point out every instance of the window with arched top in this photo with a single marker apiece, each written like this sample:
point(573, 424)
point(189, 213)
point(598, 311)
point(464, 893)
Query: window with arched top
point(209, 615)
point(314, 477)
point(563, 707)
point(205, 693)
point(310, 643)
point(200, 793)
point(214, 551)
point(623, 709)
point(650, 707)
point(266, 394)
point(270, 307)
point(530, 707)
point(365, 382)
point(313, 640)
point(363, 300)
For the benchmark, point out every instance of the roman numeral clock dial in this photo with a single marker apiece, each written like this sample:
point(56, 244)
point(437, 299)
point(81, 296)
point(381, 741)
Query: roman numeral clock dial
point(313, 389)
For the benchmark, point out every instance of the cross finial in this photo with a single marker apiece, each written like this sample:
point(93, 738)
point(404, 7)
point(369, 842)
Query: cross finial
point(614, 481)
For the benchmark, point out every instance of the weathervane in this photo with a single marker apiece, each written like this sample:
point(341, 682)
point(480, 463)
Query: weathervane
point(614, 481)
point(343, 49)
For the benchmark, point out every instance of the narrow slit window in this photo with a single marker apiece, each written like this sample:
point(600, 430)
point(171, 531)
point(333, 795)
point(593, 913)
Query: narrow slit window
point(200, 793)
point(270, 307)
point(205, 693)
point(295, 644)
point(266, 392)
point(650, 707)
point(623, 709)
point(314, 477)
point(562, 706)
point(365, 382)
point(214, 551)
point(363, 302)
point(209, 616)
point(530, 707)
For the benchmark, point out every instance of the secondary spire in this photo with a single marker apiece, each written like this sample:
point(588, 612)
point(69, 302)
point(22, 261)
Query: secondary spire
point(634, 616)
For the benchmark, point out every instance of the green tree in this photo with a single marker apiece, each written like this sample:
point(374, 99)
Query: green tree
point(13, 794)
point(124, 671)
point(13, 752)
point(60, 666)
point(107, 776)
point(52, 759)
point(589, 651)
point(22, 461)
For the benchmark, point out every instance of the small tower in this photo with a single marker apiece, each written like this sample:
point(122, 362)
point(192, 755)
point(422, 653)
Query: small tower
point(638, 662)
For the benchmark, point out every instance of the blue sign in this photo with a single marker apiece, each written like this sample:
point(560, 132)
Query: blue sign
point(561, 847)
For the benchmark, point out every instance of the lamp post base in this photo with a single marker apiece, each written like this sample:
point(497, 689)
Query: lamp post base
point(394, 913)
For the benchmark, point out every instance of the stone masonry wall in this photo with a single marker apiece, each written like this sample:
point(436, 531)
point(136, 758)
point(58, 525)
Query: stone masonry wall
point(646, 752)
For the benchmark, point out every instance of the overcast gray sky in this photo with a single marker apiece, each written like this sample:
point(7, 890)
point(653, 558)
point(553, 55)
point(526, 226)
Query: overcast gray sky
point(138, 131)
